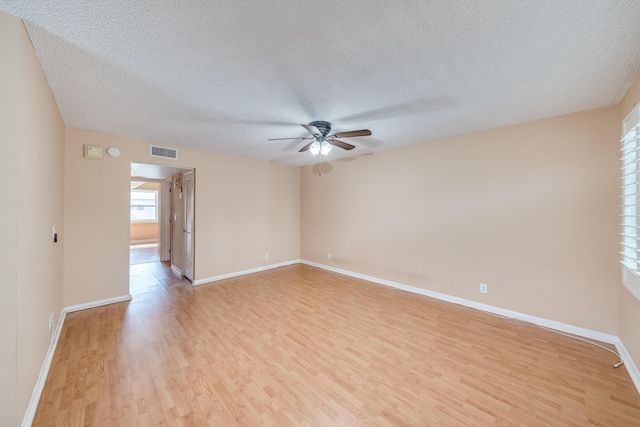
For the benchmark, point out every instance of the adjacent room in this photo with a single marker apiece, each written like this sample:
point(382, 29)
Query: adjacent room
point(320, 213)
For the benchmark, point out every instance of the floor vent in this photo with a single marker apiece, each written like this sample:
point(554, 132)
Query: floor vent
point(163, 152)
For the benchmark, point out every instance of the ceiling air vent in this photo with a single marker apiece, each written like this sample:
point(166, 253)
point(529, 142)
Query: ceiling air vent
point(163, 152)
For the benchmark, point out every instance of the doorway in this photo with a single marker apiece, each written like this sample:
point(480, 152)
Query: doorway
point(143, 222)
point(167, 196)
point(189, 206)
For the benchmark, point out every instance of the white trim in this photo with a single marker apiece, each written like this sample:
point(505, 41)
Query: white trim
point(176, 270)
point(628, 363)
point(30, 413)
point(142, 242)
point(243, 272)
point(631, 281)
point(552, 324)
point(44, 370)
point(98, 303)
point(134, 221)
point(632, 120)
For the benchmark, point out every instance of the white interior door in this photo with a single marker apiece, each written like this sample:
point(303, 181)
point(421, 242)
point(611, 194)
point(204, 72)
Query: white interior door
point(188, 185)
point(178, 229)
point(164, 231)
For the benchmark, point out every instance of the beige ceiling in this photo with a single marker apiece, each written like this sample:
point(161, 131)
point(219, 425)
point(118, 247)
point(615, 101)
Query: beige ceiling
point(225, 76)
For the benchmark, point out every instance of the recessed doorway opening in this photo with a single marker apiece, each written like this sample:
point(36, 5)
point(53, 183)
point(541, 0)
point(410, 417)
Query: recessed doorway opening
point(161, 221)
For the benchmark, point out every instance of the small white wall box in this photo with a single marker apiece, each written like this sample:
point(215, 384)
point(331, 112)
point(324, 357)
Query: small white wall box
point(92, 152)
point(113, 151)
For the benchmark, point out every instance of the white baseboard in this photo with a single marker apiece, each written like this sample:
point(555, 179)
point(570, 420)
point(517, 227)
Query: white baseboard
point(629, 364)
point(42, 377)
point(552, 324)
point(176, 270)
point(634, 373)
point(243, 272)
point(98, 303)
point(44, 370)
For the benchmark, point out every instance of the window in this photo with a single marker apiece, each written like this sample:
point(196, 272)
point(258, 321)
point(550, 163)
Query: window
point(630, 157)
point(144, 206)
point(630, 200)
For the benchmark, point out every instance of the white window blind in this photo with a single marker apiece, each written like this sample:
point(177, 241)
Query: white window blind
point(630, 189)
point(630, 158)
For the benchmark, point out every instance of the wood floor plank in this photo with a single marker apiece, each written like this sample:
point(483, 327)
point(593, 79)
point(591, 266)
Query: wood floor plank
point(302, 346)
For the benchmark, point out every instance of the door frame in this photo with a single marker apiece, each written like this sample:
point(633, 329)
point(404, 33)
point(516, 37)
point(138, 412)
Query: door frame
point(155, 172)
point(189, 228)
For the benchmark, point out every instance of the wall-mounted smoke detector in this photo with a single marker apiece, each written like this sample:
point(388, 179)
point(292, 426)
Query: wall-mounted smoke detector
point(163, 152)
point(113, 151)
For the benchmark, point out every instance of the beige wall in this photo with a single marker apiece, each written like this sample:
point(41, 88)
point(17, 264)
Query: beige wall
point(33, 135)
point(244, 208)
point(531, 210)
point(149, 186)
point(630, 323)
point(629, 310)
point(10, 48)
point(143, 231)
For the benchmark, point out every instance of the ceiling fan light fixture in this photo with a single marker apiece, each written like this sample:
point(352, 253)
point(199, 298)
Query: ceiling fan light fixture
point(321, 140)
point(325, 147)
point(315, 148)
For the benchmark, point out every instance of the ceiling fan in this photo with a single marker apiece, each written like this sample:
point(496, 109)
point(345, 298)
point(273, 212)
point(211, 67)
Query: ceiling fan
point(322, 141)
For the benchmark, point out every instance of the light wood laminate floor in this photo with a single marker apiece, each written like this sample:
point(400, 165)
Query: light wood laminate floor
point(300, 346)
point(141, 254)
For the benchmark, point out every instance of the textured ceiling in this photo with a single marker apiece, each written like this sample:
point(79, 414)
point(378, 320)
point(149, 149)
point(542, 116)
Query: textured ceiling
point(225, 76)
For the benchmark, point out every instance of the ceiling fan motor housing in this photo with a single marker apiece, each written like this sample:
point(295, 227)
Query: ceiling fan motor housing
point(323, 127)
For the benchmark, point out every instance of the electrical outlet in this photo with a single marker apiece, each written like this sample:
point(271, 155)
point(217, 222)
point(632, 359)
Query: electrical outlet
point(328, 256)
point(266, 256)
point(483, 288)
point(51, 321)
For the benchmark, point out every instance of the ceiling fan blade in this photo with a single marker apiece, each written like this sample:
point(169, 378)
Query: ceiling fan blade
point(312, 130)
point(284, 139)
point(341, 144)
point(353, 133)
point(306, 147)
